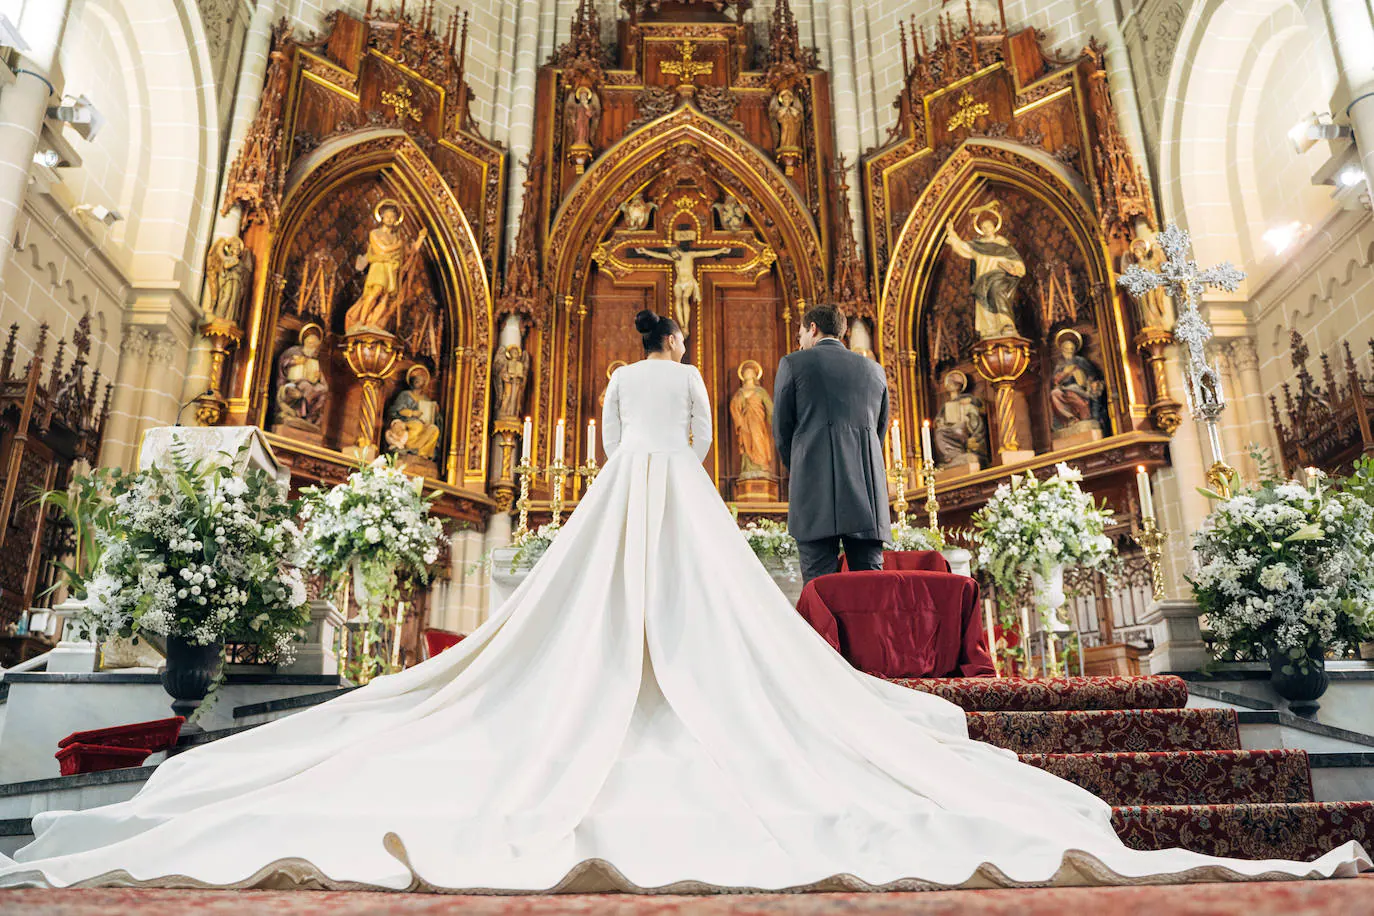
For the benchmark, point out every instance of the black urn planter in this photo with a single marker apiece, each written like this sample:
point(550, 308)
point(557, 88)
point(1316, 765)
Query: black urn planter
point(189, 673)
point(1301, 689)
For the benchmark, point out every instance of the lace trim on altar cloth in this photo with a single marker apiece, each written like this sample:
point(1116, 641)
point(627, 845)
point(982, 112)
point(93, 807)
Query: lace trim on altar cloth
point(597, 876)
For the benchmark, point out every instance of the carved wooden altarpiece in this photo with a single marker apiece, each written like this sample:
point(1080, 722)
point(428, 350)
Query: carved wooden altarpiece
point(374, 110)
point(691, 152)
point(1324, 424)
point(987, 117)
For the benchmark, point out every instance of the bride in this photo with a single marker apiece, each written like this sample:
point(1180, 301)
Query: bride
point(646, 713)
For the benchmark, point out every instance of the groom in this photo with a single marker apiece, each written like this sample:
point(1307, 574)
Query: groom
point(830, 413)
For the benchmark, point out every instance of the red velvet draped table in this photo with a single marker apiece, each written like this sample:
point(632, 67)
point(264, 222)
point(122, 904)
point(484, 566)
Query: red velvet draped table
point(901, 623)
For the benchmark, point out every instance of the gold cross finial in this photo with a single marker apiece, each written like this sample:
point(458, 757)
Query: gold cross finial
point(687, 69)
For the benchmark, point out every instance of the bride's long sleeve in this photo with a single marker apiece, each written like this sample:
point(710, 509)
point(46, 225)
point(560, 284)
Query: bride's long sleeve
point(701, 414)
point(610, 416)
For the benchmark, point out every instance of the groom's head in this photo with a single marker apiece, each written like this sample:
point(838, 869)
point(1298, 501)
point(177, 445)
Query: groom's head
point(820, 322)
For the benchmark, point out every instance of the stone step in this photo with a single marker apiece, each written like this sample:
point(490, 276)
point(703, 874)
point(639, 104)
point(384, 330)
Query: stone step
point(1079, 731)
point(1185, 777)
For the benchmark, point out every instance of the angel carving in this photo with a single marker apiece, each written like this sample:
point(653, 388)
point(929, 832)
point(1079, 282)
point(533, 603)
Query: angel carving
point(229, 274)
point(785, 113)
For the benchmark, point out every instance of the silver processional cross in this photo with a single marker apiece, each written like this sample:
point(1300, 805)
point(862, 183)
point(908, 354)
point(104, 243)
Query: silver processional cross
point(1185, 283)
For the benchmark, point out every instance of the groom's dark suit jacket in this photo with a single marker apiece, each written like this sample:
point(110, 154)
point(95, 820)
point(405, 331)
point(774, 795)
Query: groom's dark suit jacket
point(829, 416)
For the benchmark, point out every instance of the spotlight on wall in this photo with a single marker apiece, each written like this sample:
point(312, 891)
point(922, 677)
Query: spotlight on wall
point(1350, 176)
point(99, 213)
point(80, 114)
point(1281, 238)
point(48, 157)
point(1305, 134)
point(9, 35)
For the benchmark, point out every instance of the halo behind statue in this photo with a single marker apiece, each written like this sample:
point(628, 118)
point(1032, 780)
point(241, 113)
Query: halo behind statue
point(758, 370)
point(418, 367)
point(992, 207)
point(1073, 335)
point(962, 377)
point(311, 329)
point(389, 203)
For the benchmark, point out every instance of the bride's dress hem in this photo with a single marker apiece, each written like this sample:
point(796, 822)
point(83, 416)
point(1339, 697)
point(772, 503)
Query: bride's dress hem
point(1077, 868)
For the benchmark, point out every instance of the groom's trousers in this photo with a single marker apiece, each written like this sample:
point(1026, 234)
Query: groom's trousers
point(822, 557)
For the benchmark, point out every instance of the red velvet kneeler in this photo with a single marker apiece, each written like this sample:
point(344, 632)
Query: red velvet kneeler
point(437, 641)
point(907, 560)
point(901, 624)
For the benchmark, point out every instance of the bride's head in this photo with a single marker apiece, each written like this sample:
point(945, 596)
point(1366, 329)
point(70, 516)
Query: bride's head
point(661, 336)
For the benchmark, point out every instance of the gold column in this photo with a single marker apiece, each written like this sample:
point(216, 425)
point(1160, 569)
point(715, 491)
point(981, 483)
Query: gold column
point(224, 337)
point(1001, 361)
point(1165, 412)
point(372, 355)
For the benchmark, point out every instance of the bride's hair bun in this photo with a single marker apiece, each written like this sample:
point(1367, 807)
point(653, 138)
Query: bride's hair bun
point(646, 321)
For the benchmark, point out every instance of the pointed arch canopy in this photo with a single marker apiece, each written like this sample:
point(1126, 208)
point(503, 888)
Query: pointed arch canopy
point(593, 205)
point(394, 158)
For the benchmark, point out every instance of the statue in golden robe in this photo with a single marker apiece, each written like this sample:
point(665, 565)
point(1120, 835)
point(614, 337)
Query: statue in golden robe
point(997, 269)
point(390, 264)
point(413, 417)
point(751, 409)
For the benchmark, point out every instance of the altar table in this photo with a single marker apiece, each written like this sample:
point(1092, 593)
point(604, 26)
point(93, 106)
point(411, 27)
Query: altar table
point(896, 623)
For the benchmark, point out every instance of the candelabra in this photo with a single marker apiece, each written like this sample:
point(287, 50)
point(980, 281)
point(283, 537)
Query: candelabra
point(524, 471)
point(897, 474)
point(932, 507)
point(558, 472)
point(588, 472)
point(1151, 540)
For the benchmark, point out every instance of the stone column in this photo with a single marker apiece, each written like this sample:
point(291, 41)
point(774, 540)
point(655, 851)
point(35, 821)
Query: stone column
point(159, 403)
point(1181, 507)
point(1352, 37)
point(1245, 360)
point(23, 106)
point(846, 105)
point(121, 430)
point(522, 107)
point(1234, 423)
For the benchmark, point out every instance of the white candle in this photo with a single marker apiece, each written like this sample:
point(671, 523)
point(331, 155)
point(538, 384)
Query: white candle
point(992, 635)
point(1147, 499)
point(591, 440)
point(1312, 475)
point(1025, 642)
point(927, 450)
point(558, 442)
point(527, 442)
point(896, 443)
point(1054, 656)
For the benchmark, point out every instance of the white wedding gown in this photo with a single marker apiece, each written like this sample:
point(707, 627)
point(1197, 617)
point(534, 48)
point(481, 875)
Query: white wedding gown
point(647, 712)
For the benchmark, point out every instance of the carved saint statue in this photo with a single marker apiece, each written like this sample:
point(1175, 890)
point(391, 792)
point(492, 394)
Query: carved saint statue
point(389, 263)
point(301, 389)
point(581, 116)
point(997, 270)
point(960, 430)
point(1079, 394)
point(752, 410)
point(413, 417)
point(637, 211)
point(686, 289)
point(1155, 308)
point(512, 374)
point(785, 111)
point(229, 269)
point(732, 214)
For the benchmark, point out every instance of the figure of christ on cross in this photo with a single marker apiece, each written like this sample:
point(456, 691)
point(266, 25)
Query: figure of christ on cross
point(686, 289)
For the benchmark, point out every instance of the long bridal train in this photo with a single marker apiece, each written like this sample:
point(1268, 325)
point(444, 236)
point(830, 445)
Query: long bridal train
point(646, 713)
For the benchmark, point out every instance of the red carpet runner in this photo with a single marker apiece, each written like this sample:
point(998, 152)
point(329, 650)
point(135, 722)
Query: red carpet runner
point(1176, 776)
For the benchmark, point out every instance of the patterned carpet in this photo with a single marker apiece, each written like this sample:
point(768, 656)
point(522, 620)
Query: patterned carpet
point(1311, 898)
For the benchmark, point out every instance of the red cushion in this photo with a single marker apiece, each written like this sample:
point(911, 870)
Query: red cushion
point(95, 758)
point(437, 641)
point(158, 735)
point(931, 560)
point(901, 624)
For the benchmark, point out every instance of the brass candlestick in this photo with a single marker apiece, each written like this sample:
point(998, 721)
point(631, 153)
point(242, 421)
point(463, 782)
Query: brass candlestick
point(1151, 540)
point(558, 471)
point(588, 472)
point(524, 472)
point(897, 474)
point(932, 506)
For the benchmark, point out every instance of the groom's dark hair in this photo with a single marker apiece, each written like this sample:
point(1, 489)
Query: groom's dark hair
point(827, 319)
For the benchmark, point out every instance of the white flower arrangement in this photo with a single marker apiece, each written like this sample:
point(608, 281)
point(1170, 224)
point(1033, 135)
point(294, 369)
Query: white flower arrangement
point(194, 552)
point(910, 537)
point(1288, 568)
point(770, 541)
point(530, 546)
point(1031, 526)
point(377, 521)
